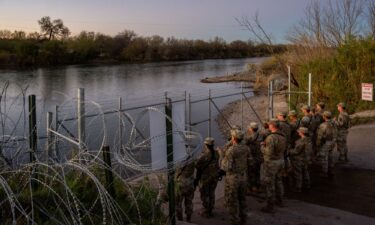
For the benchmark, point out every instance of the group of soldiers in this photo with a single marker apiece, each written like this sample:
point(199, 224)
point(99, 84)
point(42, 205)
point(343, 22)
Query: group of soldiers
point(264, 159)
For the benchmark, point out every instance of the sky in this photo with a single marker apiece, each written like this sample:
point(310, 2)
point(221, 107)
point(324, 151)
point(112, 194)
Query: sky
point(191, 19)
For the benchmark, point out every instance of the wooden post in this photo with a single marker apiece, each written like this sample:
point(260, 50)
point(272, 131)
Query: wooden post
point(108, 171)
point(56, 141)
point(169, 134)
point(209, 113)
point(81, 119)
point(49, 136)
point(120, 126)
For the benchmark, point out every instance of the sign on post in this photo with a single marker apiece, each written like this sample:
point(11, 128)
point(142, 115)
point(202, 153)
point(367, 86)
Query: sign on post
point(367, 94)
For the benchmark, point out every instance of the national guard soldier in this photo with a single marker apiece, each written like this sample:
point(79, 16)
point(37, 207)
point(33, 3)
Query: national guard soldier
point(294, 123)
point(299, 157)
point(285, 128)
point(253, 139)
point(235, 163)
point(207, 176)
point(307, 119)
point(185, 189)
point(325, 143)
point(273, 149)
point(319, 109)
point(343, 124)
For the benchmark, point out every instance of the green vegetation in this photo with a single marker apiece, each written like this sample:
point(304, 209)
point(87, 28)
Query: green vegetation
point(53, 46)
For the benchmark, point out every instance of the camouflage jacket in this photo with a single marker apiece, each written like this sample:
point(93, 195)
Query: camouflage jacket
point(274, 146)
point(301, 150)
point(308, 122)
point(208, 166)
point(286, 130)
point(253, 142)
point(325, 133)
point(343, 121)
point(294, 125)
point(235, 159)
point(184, 176)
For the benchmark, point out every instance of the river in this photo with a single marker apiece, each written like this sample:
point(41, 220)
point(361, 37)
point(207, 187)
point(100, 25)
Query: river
point(104, 84)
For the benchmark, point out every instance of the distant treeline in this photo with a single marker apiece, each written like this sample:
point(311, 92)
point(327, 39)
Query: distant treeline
point(20, 49)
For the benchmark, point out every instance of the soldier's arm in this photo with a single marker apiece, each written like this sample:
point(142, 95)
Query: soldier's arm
point(227, 161)
point(297, 149)
point(268, 148)
point(320, 135)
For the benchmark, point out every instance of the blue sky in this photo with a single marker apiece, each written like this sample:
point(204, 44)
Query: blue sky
point(193, 19)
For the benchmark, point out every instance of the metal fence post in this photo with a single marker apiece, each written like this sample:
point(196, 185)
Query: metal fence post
point(189, 105)
point(120, 122)
point(169, 134)
point(242, 105)
point(56, 140)
point(209, 112)
point(49, 135)
point(289, 88)
point(108, 171)
point(309, 89)
point(33, 137)
point(81, 119)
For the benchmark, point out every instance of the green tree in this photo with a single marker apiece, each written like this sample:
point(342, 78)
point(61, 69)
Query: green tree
point(53, 29)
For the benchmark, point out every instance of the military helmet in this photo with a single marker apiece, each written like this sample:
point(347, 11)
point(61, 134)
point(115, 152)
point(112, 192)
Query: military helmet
point(274, 122)
point(237, 134)
point(282, 113)
point(236, 127)
point(321, 104)
point(292, 113)
point(303, 130)
point(342, 104)
point(253, 125)
point(327, 114)
point(209, 141)
point(305, 107)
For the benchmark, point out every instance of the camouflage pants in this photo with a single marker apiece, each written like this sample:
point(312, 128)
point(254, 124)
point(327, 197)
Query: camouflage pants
point(185, 195)
point(207, 191)
point(235, 198)
point(300, 173)
point(342, 146)
point(253, 174)
point(325, 158)
point(272, 180)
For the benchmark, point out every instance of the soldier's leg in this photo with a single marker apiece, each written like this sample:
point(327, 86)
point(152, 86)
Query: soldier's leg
point(268, 180)
point(324, 159)
point(257, 174)
point(179, 206)
point(189, 196)
point(231, 199)
point(279, 187)
point(212, 197)
point(330, 161)
point(306, 176)
point(340, 145)
point(205, 198)
point(345, 143)
point(297, 172)
point(242, 203)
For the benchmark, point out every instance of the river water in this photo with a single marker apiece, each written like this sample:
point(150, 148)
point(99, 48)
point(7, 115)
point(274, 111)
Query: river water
point(104, 84)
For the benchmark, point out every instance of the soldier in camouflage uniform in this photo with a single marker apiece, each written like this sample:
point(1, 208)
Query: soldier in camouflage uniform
point(235, 163)
point(294, 123)
point(185, 190)
point(253, 139)
point(273, 149)
point(342, 124)
point(298, 158)
point(207, 175)
point(285, 129)
point(325, 143)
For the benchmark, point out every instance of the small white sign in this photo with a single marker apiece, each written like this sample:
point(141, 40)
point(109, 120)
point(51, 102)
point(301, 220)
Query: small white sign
point(367, 94)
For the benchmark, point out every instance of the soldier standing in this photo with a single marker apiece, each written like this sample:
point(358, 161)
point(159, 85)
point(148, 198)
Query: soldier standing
point(207, 176)
point(342, 123)
point(294, 123)
point(299, 157)
point(235, 163)
point(325, 143)
point(285, 129)
point(253, 139)
point(185, 190)
point(273, 149)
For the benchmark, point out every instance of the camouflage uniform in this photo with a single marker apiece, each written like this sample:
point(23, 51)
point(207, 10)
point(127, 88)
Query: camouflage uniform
point(185, 189)
point(207, 171)
point(342, 123)
point(235, 163)
point(325, 143)
point(273, 154)
point(285, 129)
point(294, 125)
point(299, 160)
point(253, 142)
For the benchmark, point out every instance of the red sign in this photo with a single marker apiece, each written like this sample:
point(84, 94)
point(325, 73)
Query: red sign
point(367, 91)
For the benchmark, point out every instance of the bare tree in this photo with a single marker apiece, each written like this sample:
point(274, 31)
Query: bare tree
point(53, 29)
point(371, 18)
